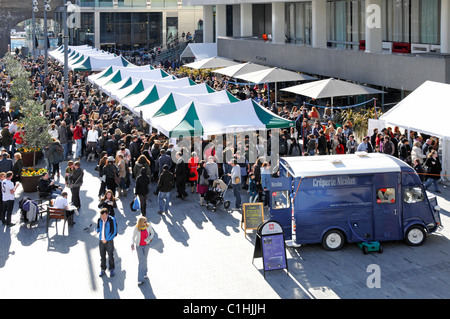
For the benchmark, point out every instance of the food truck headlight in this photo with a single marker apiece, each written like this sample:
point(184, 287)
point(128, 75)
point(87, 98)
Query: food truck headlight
point(437, 208)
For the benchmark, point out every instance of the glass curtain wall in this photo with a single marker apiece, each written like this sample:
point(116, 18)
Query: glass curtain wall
point(298, 22)
point(345, 27)
point(414, 21)
point(129, 30)
point(85, 33)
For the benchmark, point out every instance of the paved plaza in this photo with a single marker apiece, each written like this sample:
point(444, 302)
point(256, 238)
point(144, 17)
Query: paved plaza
point(200, 254)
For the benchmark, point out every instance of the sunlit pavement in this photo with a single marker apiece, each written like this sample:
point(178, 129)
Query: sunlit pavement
point(199, 254)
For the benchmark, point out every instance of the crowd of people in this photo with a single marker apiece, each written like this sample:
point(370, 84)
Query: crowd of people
point(130, 157)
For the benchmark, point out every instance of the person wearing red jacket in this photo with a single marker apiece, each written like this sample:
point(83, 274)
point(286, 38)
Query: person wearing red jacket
point(78, 138)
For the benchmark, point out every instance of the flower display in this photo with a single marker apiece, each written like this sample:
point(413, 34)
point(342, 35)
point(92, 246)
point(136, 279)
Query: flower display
point(33, 171)
point(26, 149)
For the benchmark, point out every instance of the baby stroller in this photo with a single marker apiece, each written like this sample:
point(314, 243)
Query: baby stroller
point(216, 195)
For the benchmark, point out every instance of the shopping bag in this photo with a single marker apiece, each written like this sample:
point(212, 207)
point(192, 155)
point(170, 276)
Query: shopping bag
point(135, 204)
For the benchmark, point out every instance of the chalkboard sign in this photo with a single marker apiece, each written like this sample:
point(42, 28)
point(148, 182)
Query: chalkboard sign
point(252, 215)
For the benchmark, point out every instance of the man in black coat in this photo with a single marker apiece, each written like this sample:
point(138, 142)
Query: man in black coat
point(135, 151)
point(141, 189)
point(165, 185)
point(6, 164)
point(180, 176)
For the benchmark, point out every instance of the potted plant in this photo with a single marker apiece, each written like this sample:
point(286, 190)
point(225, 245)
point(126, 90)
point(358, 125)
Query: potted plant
point(36, 136)
point(30, 178)
point(29, 155)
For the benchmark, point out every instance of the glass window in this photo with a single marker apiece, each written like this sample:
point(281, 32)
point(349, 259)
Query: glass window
point(386, 195)
point(346, 25)
point(298, 22)
point(413, 195)
point(281, 200)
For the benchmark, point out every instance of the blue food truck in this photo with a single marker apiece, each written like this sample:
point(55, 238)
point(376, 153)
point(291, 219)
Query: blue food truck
point(333, 199)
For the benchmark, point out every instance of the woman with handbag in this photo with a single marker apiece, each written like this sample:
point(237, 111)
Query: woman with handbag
point(142, 236)
point(202, 183)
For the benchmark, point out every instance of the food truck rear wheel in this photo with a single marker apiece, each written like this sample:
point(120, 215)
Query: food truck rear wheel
point(415, 235)
point(333, 240)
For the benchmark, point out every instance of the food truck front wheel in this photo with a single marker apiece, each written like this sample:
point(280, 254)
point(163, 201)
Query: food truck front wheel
point(333, 240)
point(415, 235)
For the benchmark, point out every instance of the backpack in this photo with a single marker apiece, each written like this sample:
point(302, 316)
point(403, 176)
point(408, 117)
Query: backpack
point(387, 147)
point(283, 147)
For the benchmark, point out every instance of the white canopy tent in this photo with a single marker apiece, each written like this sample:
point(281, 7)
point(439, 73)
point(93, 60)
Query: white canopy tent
point(114, 68)
point(197, 118)
point(172, 101)
point(426, 110)
point(274, 75)
point(330, 88)
point(199, 51)
point(240, 69)
point(110, 88)
point(211, 63)
point(141, 91)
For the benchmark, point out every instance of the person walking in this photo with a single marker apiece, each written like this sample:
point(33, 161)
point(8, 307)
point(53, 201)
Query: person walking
point(110, 171)
point(202, 183)
point(75, 182)
point(8, 191)
point(434, 169)
point(180, 176)
point(107, 230)
point(142, 236)
point(55, 156)
point(192, 171)
point(141, 189)
point(165, 185)
point(236, 182)
point(108, 201)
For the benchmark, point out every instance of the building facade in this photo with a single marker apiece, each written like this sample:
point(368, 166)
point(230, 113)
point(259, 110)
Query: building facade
point(124, 25)
point(385, 43)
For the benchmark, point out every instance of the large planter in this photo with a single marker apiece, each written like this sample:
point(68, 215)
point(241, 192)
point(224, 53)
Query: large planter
point(30, 183)
point(28, 157)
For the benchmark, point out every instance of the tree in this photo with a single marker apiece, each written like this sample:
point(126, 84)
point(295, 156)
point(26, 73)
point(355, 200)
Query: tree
point(36, 135)
point(20, 89)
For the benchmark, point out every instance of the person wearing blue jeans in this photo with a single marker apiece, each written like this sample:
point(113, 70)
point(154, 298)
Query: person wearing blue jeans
point(142, 236)
point(107, 230)
point(236, 182)
point(434, 170)
point(165, 184)
point(163, 201)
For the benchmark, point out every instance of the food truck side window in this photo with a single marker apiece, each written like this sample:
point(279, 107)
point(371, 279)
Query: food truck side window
point(386, 196)
point(413, 195)
point(281, 199)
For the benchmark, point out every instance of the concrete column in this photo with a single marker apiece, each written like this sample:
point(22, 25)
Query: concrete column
point(164, 28)
point(246, 20)
point(319, 23)
point(97, 29)
point(278, 21)
point(236, 20)
point(208, 28)
point(445, 25)
point(221, 20)
point(374, 41)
